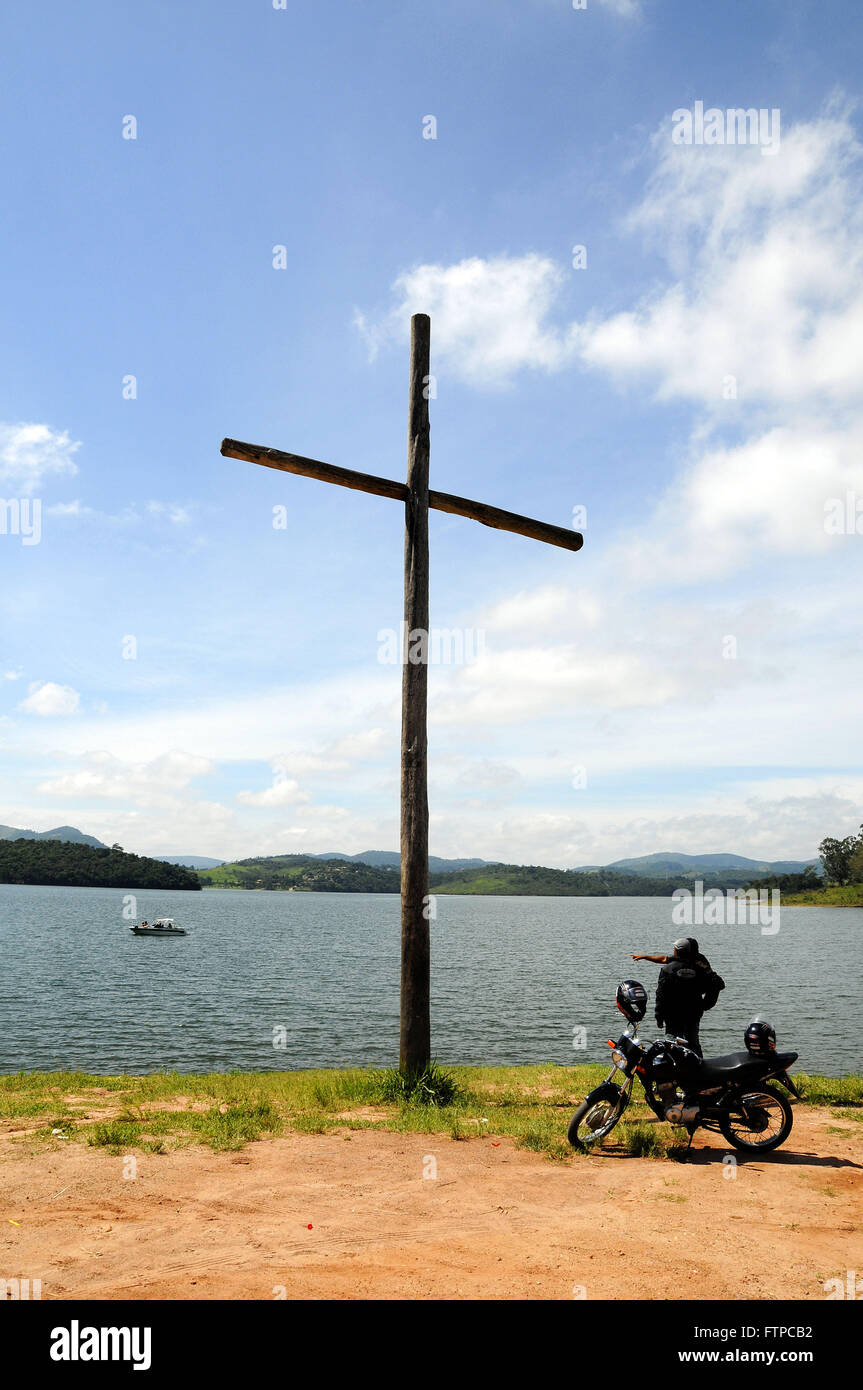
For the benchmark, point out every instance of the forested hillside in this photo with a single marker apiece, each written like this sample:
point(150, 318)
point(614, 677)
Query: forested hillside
point(302, 872)
point(531, 879)
point(66, 864)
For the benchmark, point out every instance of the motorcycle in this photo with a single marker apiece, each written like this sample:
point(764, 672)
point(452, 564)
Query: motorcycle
point(728, 1095)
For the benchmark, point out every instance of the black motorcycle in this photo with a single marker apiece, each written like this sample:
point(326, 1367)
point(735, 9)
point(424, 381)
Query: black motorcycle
point(726, 1094)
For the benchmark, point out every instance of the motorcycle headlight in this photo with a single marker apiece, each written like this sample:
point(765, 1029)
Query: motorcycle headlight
point(618, 1058)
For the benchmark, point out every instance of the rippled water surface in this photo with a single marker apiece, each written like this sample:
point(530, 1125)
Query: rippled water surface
point(512, 978)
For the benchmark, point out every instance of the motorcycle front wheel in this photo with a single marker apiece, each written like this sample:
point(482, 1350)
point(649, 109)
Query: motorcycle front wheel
point(597, 1116)
point(763, 1122)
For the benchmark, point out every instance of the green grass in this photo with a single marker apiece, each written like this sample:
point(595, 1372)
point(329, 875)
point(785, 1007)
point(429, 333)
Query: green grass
point(851, 895)
point(645, 1140)
point(430, 1086)
point(829, 1090)
point(225, 1111)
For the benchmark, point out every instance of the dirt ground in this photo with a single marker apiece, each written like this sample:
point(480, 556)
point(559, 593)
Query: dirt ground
point(360, 1215)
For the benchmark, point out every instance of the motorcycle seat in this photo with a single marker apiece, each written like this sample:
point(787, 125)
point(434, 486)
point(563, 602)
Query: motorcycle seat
point(736, 1065)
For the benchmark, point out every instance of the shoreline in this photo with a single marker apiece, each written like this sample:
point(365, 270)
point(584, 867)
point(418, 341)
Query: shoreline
point(306, 1185)
point(829, 897)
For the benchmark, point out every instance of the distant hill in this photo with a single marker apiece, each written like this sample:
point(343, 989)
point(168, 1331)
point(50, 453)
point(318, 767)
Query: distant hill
point(733, 867)
point(311, 874)
point(304, 873)
point(190, 861)
point(522, 880)
point(729, 870)
point(64, 864)
point(67, 833)
point(71, 836)
point(390, 859)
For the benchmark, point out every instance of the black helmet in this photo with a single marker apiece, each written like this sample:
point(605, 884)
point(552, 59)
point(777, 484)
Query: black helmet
point(760, 1037)
point(685, 947)
point(632, 1000)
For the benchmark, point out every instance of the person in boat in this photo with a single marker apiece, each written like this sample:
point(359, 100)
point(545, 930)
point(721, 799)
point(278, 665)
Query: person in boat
point(144, 923)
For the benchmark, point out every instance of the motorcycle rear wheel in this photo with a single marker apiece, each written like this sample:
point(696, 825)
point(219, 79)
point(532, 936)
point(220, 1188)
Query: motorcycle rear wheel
point(596, 1117)
point(764, 1125)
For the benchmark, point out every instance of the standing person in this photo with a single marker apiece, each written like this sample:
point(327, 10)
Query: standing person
point(687, 987)
point(687, 943)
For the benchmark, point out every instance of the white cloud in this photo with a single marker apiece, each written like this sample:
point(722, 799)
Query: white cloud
point(285, 791)
point(49, 699)
point(301, 764)
point(487, 775)
point(30, 453)
point(766, 286)
point(784, 826)
point(178, 516)
point(528, 682)
point(548, 609)
point(178, 826)
point(364, 743)
point(252, 726)
point(757, 325)
point(68, 509)
point(337, 759)
point(102, 776)
point(773, 494)
point(133, 514)
point(491, 317)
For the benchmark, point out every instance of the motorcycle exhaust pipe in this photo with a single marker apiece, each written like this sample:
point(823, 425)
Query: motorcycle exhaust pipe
point(679, 1114)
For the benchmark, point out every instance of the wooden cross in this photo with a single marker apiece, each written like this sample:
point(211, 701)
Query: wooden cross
point(415, 1040)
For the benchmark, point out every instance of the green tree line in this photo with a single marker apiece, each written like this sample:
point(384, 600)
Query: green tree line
point(843, 859)
point(65, 864)
point(302, 873)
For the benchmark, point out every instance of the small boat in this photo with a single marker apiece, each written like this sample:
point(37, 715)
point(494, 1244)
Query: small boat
point(163, 926)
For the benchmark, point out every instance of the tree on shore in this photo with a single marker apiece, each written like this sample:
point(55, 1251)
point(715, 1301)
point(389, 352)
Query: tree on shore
point(843, 859)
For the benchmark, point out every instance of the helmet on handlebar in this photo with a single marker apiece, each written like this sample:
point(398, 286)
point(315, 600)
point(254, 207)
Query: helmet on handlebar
point(760, 1037)
point(632, 1000)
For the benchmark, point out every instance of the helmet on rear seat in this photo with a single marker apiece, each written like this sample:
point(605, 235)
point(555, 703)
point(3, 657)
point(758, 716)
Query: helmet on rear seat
point(760, 1037)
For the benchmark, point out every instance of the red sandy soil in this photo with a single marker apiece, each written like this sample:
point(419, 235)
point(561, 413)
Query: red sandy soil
point(350, 1215)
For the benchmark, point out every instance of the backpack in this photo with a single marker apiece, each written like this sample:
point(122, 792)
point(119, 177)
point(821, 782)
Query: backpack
point(714, 986)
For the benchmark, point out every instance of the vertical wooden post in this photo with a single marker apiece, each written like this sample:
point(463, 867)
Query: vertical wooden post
point(415, 1038)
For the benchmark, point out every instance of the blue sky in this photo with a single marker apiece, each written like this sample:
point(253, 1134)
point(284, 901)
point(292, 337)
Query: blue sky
point(607, 713)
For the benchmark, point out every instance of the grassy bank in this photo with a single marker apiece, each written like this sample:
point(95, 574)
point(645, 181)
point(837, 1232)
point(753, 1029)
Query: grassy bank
point(165, 1111)
point(849, 896)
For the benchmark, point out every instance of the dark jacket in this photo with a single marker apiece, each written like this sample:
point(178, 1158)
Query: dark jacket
point(685, 989)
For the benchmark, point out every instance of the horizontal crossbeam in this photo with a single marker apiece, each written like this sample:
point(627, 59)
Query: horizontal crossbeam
point(385, 487)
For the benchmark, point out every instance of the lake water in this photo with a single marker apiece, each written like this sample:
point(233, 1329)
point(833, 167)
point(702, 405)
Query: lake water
point(512, 978)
